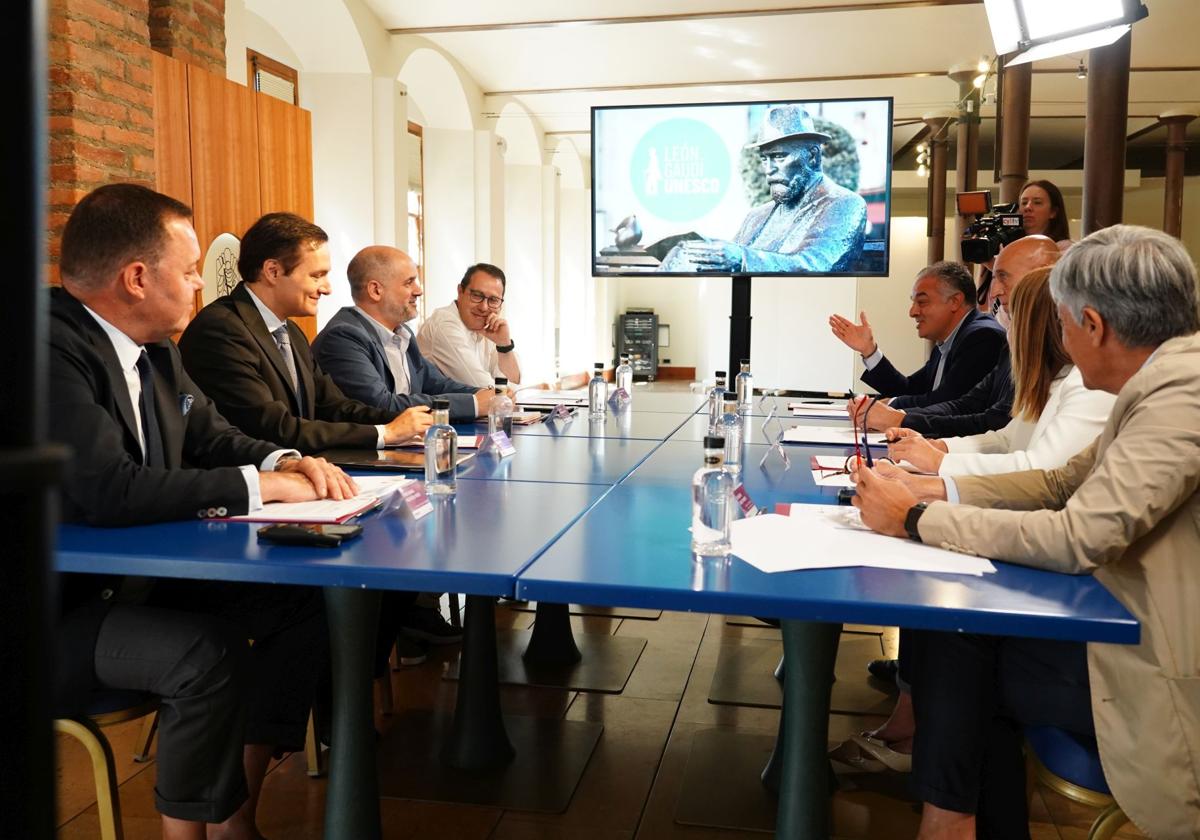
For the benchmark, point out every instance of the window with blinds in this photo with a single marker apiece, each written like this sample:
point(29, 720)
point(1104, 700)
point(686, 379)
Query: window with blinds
point(272, 78)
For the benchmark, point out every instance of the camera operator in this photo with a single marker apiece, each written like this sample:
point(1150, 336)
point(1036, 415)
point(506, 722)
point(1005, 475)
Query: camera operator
point(1043, 213)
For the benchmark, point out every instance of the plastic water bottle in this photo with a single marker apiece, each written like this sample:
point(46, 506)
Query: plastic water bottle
point(598, 393)
point(624, 375)
point(716, 404)
point(731, 429)
point(744, 385)
point(712, 502)
point(501, 410)
point(441, 452)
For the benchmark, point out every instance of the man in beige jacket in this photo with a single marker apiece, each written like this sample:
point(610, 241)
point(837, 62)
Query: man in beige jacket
point(1126, 508)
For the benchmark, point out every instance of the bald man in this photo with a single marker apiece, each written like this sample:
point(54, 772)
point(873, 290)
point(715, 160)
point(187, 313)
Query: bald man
point(368, 348)
point(988, 405)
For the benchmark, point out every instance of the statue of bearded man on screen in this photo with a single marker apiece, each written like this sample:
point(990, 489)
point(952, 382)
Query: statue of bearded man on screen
point(811, 223)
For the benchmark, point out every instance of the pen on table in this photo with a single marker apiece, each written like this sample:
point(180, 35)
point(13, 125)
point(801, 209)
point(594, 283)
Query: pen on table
point(867, 446)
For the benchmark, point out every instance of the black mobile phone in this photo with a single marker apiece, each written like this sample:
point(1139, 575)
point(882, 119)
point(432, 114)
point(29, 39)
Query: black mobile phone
point(845, 494)
point(321, 535)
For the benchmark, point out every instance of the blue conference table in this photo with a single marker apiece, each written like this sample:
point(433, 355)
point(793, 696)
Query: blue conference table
point(633, 549)
point(475, 544)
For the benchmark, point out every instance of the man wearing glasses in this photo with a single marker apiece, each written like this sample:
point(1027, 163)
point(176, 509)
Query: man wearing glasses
point(469, 340)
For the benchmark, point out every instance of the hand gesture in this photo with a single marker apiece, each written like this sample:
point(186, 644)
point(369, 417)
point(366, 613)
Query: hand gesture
point(412, 422)
point(857, 337)
point(923, 454)
point(495, 330)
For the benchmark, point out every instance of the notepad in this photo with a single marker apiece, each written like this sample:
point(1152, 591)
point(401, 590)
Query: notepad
point(373, 491)
point(834, 435)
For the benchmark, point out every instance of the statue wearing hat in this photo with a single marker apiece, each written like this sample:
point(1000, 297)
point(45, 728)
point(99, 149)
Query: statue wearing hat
point(811, 223)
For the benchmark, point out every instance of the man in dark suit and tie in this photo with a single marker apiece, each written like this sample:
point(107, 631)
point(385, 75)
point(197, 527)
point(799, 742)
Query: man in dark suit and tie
point(369, 351)
point(149, 446)
point(967, 343)
point(256, 364)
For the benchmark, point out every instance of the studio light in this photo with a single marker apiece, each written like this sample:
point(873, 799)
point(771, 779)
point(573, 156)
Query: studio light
point(1036, 29)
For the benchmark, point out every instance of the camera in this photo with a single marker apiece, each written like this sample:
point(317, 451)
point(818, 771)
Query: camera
point(996, 226)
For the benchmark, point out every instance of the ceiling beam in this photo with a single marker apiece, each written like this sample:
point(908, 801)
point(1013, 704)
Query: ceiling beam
point(911, 144)
point(909, 74)
point(825, 8)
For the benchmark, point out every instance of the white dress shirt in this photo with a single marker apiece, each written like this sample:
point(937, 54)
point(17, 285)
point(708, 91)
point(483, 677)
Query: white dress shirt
point(457, 351)
point(395, 350)
point(128, 352)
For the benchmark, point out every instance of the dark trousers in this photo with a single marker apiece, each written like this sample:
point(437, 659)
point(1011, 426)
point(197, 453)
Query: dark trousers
point(190, 645)
point(972, 695)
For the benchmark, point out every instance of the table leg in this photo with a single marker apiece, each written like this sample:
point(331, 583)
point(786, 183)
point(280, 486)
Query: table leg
point(552, 642)
point(352, 798)
point(478, 740)
point(809, 650)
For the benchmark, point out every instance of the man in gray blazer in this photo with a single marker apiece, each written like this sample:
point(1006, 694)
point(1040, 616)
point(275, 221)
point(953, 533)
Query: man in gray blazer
point(369, 351)
point(1127, 509)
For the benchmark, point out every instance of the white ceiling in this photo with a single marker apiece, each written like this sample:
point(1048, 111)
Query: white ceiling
point(558, 58)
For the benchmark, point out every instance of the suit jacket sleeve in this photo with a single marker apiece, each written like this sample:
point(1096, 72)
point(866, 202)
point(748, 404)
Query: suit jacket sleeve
point(225, 360)
point(1097, 508)
point(985, 407)
point(974, 354)
point(105, 484)
point(890, 382)
point(433, 382)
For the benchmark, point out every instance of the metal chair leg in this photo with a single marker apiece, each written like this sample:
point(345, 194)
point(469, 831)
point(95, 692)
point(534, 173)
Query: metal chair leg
point(1107, 823)
point(104, 772)
point(312, 750)
point(141, 749)
point(455, 612)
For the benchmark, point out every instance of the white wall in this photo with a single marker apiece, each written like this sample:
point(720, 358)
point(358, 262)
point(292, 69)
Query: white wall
point(449, 211)
point(343, 171)
point(576, 289)
point(530, 319)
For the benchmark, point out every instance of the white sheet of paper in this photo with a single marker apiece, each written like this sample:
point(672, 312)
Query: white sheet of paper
point(464, 442)
point(372, 490)
point(834, 411)
point(825, 537)
point(827, 435)
point(539, 396)
point(830, 479)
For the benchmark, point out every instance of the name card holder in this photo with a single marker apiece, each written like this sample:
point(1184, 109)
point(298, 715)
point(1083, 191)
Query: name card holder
point(742, 497)
point(499, 443)
point(619, 399)
point(413, 494)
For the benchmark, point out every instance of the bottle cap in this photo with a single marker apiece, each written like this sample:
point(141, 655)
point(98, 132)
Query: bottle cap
point(714, 442)
point(501, 381)
point(441, 404)
point(745, 361)
point(720, 374)
point(598, 366)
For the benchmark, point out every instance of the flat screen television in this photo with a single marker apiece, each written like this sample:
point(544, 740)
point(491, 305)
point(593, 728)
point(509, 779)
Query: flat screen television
point(792, 188)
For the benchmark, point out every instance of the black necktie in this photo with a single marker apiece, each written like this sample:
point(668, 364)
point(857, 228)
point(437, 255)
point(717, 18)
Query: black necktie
point(154, 447)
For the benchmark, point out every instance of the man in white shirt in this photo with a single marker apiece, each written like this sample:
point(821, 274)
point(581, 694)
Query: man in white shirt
point(469, 340)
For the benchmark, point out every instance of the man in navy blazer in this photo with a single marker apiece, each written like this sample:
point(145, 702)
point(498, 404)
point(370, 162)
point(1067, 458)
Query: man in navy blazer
point(369, 351)
point(968, 342)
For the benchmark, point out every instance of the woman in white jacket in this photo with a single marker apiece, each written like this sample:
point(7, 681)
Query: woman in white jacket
point(1054, 415)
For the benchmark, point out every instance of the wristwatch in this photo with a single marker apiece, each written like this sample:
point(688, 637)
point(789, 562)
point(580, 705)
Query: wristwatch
point(507, 348)
point(912, 518)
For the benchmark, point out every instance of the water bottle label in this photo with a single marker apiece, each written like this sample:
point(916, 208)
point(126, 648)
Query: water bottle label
point(499, 443)
point(415, 500)
point(744, 501)
point(619, 399)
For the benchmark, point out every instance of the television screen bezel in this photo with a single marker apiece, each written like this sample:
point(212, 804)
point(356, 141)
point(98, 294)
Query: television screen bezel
point(887, 254)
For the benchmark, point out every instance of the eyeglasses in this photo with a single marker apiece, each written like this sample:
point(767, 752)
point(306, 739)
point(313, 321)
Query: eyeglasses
point(479, 297)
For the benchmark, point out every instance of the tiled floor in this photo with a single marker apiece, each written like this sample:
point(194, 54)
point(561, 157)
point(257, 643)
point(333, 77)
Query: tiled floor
point(632, 782)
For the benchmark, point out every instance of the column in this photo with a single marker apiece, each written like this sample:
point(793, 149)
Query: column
point(1104, 139)
point(1176, 122)
point(967, 140)
point(1014, 128)
point(939, 142)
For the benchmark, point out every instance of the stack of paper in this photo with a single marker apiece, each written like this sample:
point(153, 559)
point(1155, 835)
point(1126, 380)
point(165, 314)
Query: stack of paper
point(548, 399)
point(835, 435)
point(373, 491)
point(464, 442)
point(828, 537)
point(824, 409)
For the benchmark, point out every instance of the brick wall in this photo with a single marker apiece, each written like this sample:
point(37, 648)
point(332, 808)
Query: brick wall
point(101, 109)
point(190, 30)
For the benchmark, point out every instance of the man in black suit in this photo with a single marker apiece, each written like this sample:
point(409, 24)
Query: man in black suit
point(150, 446)
point(987, 406)
point(256, 364)
point(968, 342)
point(369, 351)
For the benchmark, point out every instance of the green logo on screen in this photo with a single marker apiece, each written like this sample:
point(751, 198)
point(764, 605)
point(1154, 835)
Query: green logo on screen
point(680, 170)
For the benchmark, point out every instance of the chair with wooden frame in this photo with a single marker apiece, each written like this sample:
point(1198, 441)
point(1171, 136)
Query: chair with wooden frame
point(1069, 765)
